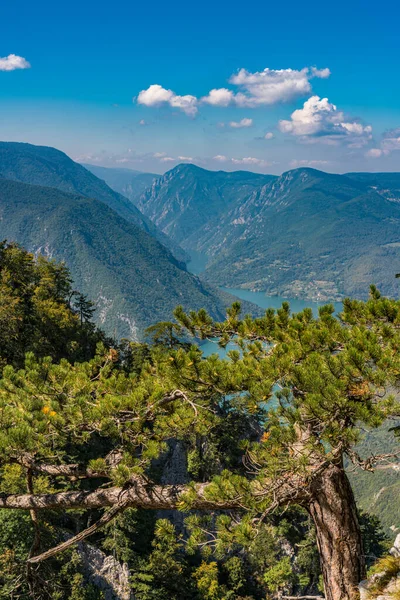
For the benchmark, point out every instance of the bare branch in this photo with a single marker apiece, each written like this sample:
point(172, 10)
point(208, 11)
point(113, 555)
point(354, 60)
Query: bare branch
point(106, 518)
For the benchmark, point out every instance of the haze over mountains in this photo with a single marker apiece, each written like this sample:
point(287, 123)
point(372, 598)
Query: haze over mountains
point(127, 182)
point(305, 234)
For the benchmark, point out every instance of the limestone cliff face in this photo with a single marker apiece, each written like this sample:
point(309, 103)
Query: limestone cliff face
point(106, 573)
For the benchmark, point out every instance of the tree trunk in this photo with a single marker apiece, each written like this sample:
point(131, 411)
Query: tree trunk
point(334, 513)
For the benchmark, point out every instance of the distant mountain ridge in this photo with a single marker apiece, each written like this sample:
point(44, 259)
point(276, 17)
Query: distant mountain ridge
point(305, 234)
point(46, 166)
point(188, 197)
point(127, 182)
point(134, 280)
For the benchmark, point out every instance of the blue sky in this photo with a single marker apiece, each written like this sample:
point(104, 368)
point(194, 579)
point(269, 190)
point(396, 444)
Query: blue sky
point(297, 83)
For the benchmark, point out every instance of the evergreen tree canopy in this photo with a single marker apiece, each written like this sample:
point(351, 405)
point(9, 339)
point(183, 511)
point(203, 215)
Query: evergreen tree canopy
point(87, 435)
point(39, 310)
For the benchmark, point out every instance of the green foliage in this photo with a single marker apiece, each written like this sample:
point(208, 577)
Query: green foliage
point(290, 400)
point(39, 312)
point(385, 569)
point(279, 575)
point(163, 574)
point(111, 260)
point(375, 542)
point(304, 234)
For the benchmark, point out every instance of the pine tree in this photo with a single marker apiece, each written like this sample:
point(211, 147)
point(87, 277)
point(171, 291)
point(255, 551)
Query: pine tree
point(35, 311)
point(88, 434)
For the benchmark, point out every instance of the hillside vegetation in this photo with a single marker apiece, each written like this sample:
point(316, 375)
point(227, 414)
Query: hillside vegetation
point(46, 166)
point(304, 234)
point(132, 278)
point(134, 433)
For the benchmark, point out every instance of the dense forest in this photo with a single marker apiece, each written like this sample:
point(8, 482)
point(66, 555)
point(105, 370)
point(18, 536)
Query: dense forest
point(192, 477)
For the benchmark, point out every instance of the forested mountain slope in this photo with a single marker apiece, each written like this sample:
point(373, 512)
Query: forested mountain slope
point(132, 277)
point(304, 234)
point(309, 234)
point(46, 166)
point(188, 198)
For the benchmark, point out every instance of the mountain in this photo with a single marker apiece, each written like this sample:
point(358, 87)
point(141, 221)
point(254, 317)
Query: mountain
point(134, 279)
point(309, 234)
point(127, 182)
point(188, 198)
point(305, 234)
point(386, 184)
point(45, 166)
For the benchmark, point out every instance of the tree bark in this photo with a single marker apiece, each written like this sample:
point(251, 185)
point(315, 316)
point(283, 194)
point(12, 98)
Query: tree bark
point(326, 494)
point(334, 513)
point(138, 494)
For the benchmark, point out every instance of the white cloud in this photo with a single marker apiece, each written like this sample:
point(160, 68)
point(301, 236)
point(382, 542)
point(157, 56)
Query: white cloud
point(159, 154)
point(321, 73)
point(374, 153)
point(219, 97)
point(261, 88)
point(250, 160)
point(185, 158)
point(142, 122)
point(12, 62)
point(241, 124)
point(269, 135)
point(295, 164)
point(156, 95)
point(272, 86)
point(390, 142)
point(220, 158)
point(167, 159)
point(320, 120)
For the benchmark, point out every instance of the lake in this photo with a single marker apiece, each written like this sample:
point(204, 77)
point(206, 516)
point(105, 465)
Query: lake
point(197, 266)
point(264, 301)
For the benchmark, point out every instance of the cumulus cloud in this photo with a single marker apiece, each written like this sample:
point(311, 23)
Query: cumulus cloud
point(156, 95)
point(271, 86)
point(269, 135)
point(266, 87)
point(320, 120)
point(261, 88)
point(12, 62)
point(321, 73)
point(241, 124)
point(220, 158)
point(219, 97)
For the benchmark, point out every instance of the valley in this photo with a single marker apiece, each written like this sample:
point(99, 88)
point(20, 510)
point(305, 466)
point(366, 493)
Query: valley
point(306, 234)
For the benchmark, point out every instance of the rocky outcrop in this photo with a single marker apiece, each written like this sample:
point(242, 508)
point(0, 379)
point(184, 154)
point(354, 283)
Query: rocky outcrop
point(395, 550)
point(378, 587)
point(106, 573)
